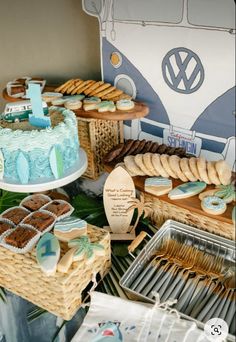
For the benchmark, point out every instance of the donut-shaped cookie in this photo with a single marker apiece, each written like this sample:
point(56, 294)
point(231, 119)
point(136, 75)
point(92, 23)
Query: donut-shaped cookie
point(201, 165)
point(184, 166)
point(223, 171)
point(165, 163)
point(147, 159)
point(213, 205)
point(174, 164)
point(212, 174)
point(193, 168)
point(125, 104)
point(156, 162)
point(132, 167)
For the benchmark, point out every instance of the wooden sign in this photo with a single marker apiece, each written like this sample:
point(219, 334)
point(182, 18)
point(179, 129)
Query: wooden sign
point(118, 191)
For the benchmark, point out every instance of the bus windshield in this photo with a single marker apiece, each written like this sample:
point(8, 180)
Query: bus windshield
point(155, 10)
point(212, 13)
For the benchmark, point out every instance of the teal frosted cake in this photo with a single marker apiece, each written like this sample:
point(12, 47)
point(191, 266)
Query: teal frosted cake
point(29, 154)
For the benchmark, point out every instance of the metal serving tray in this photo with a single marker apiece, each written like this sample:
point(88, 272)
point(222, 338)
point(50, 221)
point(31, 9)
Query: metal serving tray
point(212, 244)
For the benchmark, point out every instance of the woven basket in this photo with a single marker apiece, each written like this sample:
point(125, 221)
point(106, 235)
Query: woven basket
point(59, 294)
point(163, 211)
point(97, 137)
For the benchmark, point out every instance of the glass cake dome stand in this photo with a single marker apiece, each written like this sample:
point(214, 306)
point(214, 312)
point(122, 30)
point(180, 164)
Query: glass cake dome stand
point(70, 175)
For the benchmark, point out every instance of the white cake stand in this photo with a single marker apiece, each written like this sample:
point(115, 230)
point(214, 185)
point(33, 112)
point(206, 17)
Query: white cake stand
point(71, 174)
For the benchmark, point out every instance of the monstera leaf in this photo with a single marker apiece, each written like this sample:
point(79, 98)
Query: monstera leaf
point(10, 199)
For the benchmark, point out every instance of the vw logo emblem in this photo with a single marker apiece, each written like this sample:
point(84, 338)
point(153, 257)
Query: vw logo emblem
point(182, 70)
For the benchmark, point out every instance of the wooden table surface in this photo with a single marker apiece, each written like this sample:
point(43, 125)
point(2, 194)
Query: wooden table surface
point(192, 204)
point(140, 109)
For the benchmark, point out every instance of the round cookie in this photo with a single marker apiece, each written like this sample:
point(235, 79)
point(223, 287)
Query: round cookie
point(201, 166)
point(147, 159)
point(89, 90)
point(213, 205)
point(212, 174)
point(184, 166)
point(50, 96)
point(58, 102)
point(125, 104)
point(206, 194)
point(100, 88)
point(156, 162)
point(92, 99)
point(165, 163)
point(193, 167)
point(132, 167)
point(140, 163)
point(174, 164)
point(73, 104)
point(223, 171)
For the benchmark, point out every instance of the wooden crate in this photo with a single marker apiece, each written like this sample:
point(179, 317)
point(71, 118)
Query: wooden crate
point(97, 137)
point(59, 294)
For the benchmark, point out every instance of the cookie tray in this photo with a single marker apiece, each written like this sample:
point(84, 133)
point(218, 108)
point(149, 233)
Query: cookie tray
point(210, 243)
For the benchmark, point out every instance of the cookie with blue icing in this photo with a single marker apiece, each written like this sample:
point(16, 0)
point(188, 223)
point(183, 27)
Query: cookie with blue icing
point(213, 205)
point(48, 253)
point(86, 249)
point(158, 185)
point(70, 228)
point(187, 190)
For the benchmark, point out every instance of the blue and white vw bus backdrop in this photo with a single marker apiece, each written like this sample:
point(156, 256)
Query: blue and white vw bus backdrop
point(178, 57)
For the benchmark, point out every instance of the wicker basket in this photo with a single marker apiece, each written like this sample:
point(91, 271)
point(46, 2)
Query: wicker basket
point(97, 137)
point(163, 211)
point(59, 294)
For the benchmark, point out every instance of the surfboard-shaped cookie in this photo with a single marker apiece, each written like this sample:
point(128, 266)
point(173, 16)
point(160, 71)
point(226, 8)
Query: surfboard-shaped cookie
point(234, 215)
point(48, 253)
point(158, 185)
point(187, 190)
point(70, 228)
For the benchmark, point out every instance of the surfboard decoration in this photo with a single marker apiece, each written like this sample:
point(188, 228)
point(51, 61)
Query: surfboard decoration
point(1, 165)
point(48, 253)
point(118, 190)
point(22, 168)
point(158, 185)
point(56, 162)
point(187, 190)
point(70, 228)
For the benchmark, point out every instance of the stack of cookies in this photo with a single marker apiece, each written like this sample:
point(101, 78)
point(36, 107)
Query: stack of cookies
point(186, 169)
point(100, 89)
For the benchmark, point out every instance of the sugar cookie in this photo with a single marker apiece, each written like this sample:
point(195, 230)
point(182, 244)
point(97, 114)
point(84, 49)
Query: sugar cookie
point(89, 90)
point(106, 106)
point(193, 167)
point(184, 166)
point(75, 84)
point(212, 174)
point(106, 91)
point(140, 163)
point(226, 192)
point(187, 190)
point(132, 167)
point(158, 185)
point(165, 163)
point(70, 228)
point(64, 86)
point(201, 166)
point(82, 86)
point(174, 164)
point(125, 104)
point(58, 102)
point(156, 162)
point(73, 104)
point(114, 94)
point(206, 193)
point(90, 106)
point(147, 159)
point(92, 99)
point(100, 88)
point(213, 205)
point(223, 171)
point(50, 96)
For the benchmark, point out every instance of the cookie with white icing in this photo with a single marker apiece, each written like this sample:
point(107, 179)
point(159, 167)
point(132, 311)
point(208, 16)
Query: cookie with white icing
point(48, 253)
point(70, 228)
point(186, 190)
point(213, 205)
point(158, 185)
point(125, 104)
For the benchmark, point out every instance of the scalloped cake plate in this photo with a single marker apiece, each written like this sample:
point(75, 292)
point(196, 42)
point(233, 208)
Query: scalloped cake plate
point(45, 184)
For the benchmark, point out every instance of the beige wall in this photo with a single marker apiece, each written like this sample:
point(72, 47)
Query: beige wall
point(54, 39)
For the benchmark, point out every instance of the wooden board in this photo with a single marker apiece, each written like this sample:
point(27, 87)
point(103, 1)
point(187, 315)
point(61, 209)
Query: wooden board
point(192, 204)
point(139, 111)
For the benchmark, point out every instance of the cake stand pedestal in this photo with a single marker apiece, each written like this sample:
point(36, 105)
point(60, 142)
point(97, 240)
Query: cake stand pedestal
point(70, 175)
